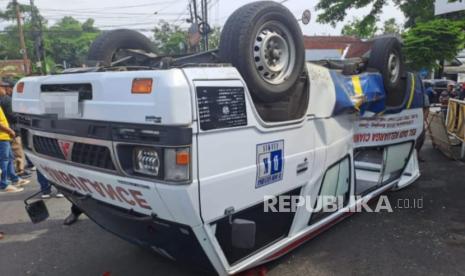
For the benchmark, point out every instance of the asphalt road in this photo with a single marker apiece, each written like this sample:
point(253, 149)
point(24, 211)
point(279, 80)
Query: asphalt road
point(409, 241)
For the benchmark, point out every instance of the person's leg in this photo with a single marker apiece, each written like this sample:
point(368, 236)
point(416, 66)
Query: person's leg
point(11, 167)
point(29, 165)
point(4, 164)
point(75, 210)
point(45, 187)
point(19, 157)
point(74, 216)
point(15, 179)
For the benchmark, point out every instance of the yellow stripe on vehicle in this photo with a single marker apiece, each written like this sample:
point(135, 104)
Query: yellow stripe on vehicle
point(357, 85)
point(412, 92)
point(358, 99)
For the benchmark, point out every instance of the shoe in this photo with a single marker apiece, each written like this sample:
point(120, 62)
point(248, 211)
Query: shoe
point(33, 169)
point(25, 174)
point(46, 196)
point(71, 219)
point(11, 189)
point(59, 195)
point(21, 182)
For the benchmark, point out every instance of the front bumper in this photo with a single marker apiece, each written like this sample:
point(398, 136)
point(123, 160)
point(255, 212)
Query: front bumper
point(129, 208)
point(172, 240)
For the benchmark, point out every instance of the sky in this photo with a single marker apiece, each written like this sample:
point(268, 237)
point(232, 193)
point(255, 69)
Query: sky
point(144, 14)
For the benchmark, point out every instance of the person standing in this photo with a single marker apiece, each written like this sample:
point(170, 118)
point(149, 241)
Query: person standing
point(444, 98)
point(16, 145)
point(6, 159)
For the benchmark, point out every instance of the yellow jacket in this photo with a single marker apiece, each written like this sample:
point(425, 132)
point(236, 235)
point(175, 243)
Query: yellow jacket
point(3, 135)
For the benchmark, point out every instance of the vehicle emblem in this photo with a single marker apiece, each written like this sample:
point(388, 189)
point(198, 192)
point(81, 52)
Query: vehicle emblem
point(66, 147)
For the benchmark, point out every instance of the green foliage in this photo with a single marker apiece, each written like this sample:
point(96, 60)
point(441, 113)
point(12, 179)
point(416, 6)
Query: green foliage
point(172, 40)
point(10, 12)
point(433, 41)
point(360, 29)
point(69, 40)
point(334, 11)
point(368, 30)
point(391, 27)
point(214, 38)
point(169, 39)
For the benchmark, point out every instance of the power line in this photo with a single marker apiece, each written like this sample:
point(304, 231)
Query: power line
point(117, 7)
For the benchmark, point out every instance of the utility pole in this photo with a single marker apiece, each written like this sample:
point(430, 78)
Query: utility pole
point(38, 40)
point(207, 26)
point(204, 8)
point(21, 37)
point(196, 21)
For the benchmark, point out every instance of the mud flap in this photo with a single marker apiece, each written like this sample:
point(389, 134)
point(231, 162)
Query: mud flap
point(36, 210)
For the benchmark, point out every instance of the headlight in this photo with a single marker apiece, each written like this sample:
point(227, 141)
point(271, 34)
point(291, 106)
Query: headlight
point(168, 164)
point(146, 161)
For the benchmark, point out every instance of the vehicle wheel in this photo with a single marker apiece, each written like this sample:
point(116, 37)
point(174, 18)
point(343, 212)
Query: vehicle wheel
point(105, 48)
point(386, 57)
point(264, 42)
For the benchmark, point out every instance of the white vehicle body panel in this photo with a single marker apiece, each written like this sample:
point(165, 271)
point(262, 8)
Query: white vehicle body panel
point(232, 169)
point(114, 101)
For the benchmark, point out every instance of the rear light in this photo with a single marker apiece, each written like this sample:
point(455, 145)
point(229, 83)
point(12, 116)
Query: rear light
point(20, 87)
point(167, 164)
point(142, 86)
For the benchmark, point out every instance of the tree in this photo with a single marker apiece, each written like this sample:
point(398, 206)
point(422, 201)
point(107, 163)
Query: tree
point(391, 27)
point(169, 39)
point(433, 41)
point(69, 40)
point(359, 29)
point(415, 11)
point(214, 38)
point(368, 30)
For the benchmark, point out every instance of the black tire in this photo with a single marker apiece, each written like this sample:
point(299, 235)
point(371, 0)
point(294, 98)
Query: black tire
point(382, 51)
point(238, 46)
point(105, 46)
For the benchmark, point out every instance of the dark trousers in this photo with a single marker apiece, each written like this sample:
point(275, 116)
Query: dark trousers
point(75, 210)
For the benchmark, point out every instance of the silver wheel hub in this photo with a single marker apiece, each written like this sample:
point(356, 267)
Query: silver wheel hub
point(274, 53)
point(393, 67)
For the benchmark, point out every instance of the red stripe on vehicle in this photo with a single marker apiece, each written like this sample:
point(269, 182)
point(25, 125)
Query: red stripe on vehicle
point(308, 237)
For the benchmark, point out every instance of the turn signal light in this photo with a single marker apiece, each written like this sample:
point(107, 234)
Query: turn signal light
point(142, 86)
point(182, 158)
point(20, 87)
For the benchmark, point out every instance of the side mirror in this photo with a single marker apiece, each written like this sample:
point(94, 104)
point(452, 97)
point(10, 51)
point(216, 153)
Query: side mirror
point(243, 233)
point(37, 211)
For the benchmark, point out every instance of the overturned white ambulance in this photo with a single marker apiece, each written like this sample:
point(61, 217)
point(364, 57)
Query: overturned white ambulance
point(187, 155)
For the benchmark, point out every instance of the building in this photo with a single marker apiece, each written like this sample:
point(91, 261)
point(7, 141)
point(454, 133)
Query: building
point(334, 47)
point(13, 67)
point(444, 7)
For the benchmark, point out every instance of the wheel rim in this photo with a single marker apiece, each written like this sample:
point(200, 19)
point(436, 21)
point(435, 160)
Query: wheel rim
point(274, 53)
point(393, 67)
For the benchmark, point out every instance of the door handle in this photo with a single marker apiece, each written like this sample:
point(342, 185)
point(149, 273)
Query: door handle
point(302, 167)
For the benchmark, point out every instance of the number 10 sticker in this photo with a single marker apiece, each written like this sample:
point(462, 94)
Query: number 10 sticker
point(270, 163)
